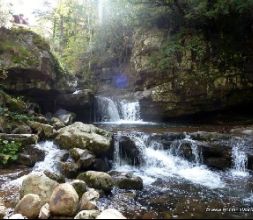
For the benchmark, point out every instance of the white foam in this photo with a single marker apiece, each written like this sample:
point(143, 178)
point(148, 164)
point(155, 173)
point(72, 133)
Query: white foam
point(159, 163)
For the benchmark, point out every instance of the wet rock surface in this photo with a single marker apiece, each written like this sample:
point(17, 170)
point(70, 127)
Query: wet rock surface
point(97, 180)
point(29, 206)
point(40, 185)
point(64, 201)
point(84, 136)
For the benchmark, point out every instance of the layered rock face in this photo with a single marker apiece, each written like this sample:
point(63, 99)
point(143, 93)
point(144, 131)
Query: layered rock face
point(171, 79)
point(190, 86)
point(28, 68)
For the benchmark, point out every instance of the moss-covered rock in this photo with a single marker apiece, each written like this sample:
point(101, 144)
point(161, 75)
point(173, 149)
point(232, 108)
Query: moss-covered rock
point(84, 136)
point(97, 180)
point(182, 76)
point(27, 61)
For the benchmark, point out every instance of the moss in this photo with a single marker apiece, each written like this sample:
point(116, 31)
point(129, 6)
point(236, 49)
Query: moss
point(13, 104)
point(18, 54)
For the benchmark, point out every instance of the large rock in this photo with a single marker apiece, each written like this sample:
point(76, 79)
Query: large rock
point(84, 136)
point(29, 206)
point(86, 160)
point(22, 129)
point(57, 123)
point(97, 180)
point(42, 130)
point(30, 155)
point(76, 153)
point(69, 169)
point(89, 200)
point(54, 176)
point(29, 63)
point(129, 151)
point(64, 116)
point(87, 214)
point(40, 185)
point(64, 201)
point(111, 214)
point(127, 181)
point(80, 187)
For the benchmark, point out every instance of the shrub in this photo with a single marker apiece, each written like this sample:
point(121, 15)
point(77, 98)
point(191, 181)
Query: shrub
point(8, 151)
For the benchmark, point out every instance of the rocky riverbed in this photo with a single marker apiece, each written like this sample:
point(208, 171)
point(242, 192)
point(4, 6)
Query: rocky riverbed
point(83, 171)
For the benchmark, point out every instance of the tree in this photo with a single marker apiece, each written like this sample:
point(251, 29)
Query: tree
point(5, 15)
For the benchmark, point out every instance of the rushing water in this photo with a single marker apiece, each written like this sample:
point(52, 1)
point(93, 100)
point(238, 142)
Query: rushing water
point(119, 112)
point(240, 159)
point(179, 188)
point(12, 180)
point(175, 185)
point(161, 163)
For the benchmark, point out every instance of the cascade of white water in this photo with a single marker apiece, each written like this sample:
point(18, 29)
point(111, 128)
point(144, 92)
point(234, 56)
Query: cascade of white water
point(53, 156)
point(118, 111)
point(160, 163)
point(240, 159)
point(107, 109)
point(130, 111)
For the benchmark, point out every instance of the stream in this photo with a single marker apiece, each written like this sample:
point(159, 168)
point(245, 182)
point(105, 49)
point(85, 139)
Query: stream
point(174, 187)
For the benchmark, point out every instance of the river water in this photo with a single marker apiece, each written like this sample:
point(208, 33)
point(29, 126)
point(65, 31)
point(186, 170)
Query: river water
point(174, 187)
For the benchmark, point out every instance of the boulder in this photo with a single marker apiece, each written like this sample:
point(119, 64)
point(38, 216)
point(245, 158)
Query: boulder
point(30, 155)
point(84, 136)
point(76, 153)
point(89, 200)
point(101, 165)
point(54, 176)
point(42, 130)
point(111, 214)
point(80, 187)
point(97, 180)
point(40, 185)
point(64, 201)
point(25, 160)
point(87, 214)
point(29, 206)
point(64, 116)
point(22, 129)
point(127, 181)
point(44, 212)
point(129, 151)
point(86, 160)
point(69, 169)
point(57, 123)
point(24, 139)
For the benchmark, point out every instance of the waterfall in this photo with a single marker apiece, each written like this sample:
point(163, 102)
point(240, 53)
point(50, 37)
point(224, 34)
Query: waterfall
point(240, 159)
point(123, 111)
point(161, 163)
point(107, 109)
point(130, 111)
point(52, 157)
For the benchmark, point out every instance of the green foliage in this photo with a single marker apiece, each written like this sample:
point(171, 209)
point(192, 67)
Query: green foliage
point(15, 116)
point(8, 151)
